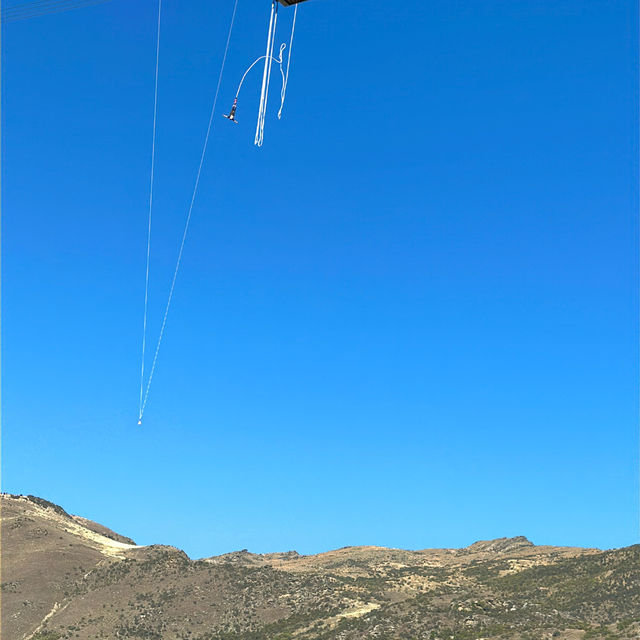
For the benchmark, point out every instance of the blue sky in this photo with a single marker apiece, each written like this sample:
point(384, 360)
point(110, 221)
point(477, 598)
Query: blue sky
point(410, 319)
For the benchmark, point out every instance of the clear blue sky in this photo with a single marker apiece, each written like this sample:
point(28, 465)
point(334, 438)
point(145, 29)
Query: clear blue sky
point(410, 319)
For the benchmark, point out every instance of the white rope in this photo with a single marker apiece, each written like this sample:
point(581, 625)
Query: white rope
point(285, 79)
point(153, 156)
point(255, 62)
point(266, 75)
point(188, 220)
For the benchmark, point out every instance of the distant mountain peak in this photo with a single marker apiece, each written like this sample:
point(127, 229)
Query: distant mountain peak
point(500, 545)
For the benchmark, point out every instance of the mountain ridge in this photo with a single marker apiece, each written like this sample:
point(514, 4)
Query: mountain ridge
point(64, 576)
point(494, 545)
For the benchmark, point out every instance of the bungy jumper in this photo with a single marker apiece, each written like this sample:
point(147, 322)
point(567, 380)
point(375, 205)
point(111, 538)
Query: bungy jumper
point(269, 58)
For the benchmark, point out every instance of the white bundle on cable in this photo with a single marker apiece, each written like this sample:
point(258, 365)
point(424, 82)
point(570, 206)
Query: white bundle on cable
point(266, 75)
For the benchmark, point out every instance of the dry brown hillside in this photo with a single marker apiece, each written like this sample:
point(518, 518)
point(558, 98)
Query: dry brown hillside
point(67, 577)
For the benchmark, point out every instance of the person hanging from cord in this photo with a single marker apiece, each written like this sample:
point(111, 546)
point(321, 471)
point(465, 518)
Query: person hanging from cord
point(232, 114)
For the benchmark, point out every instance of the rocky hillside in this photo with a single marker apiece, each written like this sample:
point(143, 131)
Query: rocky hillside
point(67, 577)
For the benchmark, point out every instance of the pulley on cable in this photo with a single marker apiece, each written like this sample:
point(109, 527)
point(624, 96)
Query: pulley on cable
point(269, 59)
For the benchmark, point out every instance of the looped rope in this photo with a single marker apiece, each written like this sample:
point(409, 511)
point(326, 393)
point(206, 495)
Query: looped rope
point(255, 62)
